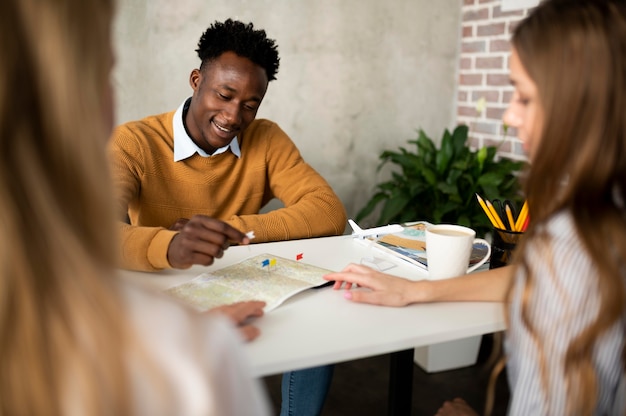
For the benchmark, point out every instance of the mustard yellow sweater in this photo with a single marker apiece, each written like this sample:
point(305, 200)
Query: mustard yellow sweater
point(155, 191)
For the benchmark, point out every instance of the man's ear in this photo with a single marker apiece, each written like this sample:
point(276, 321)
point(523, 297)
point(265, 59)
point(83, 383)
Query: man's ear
point(194, 79)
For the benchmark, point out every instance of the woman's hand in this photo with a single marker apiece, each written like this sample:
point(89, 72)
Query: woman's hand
point(385, 289)
point(456, 407)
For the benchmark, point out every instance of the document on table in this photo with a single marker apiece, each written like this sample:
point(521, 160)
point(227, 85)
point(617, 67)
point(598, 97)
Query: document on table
point(264, 277)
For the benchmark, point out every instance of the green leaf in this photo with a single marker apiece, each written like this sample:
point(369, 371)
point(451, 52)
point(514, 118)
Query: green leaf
point(481, 156)
point(492, 179)
point(426, 147)
point(449, 190)
point(369, 207)
point(392, 207)
point(446, 153)
point(459, 138)
point(429, 175)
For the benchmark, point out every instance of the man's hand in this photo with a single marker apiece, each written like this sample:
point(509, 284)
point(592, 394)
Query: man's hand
point(240, 313)
point(179, 224)
point(200, 240)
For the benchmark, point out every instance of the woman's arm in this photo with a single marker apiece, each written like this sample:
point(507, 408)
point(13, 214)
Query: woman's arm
point(385, 289)
point(489, 285)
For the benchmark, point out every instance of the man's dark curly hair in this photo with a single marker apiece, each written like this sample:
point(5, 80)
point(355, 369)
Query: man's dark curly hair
point(242, 39)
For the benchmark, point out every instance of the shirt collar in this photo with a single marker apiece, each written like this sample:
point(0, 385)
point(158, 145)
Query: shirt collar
point(184, 147)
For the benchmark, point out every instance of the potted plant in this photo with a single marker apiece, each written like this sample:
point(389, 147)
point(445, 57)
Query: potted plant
point(439, 185)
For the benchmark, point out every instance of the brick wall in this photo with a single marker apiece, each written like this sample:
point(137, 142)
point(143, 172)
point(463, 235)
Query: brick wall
point(483, 87)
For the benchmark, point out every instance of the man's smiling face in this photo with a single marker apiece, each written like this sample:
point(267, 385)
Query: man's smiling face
point(227, 93)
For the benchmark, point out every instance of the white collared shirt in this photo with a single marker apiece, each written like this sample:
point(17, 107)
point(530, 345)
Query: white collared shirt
point(185, 147)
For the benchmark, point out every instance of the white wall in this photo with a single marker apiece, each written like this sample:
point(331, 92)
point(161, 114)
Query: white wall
point(355, 76)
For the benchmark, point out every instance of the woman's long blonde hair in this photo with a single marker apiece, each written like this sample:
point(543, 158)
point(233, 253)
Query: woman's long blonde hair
point(575, 52)
point(60, 316)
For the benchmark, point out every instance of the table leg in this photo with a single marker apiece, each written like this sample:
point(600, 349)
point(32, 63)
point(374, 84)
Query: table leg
point(400, 383)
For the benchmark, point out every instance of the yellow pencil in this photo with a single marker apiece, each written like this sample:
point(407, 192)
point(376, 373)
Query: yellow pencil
point(521, 217)
point(495, 215)
point(509, 216)
point(487, 212)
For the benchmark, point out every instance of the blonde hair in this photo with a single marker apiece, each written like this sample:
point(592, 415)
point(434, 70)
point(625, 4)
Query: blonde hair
point(61, 322)
point(575, 52)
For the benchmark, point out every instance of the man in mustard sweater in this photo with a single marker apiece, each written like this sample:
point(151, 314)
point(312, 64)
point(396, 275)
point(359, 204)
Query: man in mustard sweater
point(193, 180)
point(211, 157)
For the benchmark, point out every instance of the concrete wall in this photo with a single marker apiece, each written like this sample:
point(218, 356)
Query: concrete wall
point(356, 76)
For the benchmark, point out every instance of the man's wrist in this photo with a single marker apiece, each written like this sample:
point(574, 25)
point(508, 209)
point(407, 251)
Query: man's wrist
point(159, 247)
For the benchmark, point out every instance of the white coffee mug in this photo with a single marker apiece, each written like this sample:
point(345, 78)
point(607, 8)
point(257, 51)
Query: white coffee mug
point(448, 250)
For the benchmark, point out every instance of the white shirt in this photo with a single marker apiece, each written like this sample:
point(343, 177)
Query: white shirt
point(565, 300)
point(199, 356)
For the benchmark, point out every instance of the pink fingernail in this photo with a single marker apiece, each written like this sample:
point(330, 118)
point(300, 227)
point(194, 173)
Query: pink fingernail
point(347, 294)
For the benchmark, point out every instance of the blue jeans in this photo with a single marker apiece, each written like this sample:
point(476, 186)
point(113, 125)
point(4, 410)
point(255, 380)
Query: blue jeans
point(304, 391)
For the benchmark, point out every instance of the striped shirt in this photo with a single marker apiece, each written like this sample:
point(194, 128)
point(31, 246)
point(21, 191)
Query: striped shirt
point(565, 301)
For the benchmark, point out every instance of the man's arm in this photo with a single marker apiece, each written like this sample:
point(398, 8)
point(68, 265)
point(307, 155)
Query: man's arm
point(197, 241)
point(312, 208)
point(142, 248)
point(201, 240)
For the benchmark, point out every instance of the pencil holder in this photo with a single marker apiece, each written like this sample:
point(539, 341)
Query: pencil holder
point(503, 244)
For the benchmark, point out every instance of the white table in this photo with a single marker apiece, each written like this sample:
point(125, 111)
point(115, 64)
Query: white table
point(319, 326)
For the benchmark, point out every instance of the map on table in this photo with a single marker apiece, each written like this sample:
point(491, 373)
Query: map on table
point(265, 277)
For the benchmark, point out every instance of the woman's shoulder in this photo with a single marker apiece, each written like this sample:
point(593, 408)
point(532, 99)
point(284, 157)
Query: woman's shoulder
point(557, 256)
point(198, 355)
point(158, 314)
point(562, 237)
point(561, 223)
